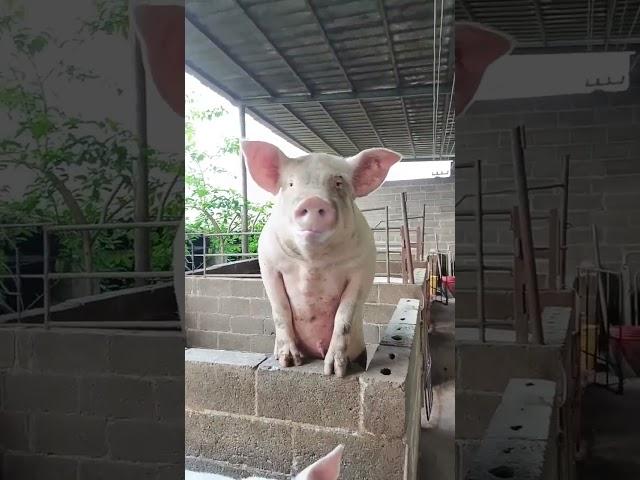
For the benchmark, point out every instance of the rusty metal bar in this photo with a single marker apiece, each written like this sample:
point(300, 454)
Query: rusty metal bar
point(564, 218)
point(408, 239)
point(424, 228)
point(519, 296)
point(245, 200)
point(528, 254)
point(479, 254)
point(387, 260)
point(554, 249)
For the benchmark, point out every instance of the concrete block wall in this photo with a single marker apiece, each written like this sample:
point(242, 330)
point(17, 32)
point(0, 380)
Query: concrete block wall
point(245, 415)
point(599, 131)
point(520, 441)
point(480, 386)
point(86, 405)
point(436, 193)
point(235, 314)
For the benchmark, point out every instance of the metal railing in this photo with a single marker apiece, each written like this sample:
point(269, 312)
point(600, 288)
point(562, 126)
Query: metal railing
point(47, 276)
point(221, 254)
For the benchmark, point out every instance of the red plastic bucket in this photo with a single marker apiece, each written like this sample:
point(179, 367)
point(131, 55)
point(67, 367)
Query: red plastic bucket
point(450, 283)
point(626, 340)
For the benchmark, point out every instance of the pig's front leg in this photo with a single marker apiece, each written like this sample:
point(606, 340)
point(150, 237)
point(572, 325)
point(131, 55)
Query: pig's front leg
point(285, 350)
point(350, 307)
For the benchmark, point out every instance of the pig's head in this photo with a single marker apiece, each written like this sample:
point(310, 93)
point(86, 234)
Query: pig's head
point(477, 47)
point(315, 193)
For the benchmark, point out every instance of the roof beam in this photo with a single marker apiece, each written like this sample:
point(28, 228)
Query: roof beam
point(385, 94)
point(270, 43)
point(467, 9)
point(543, 31)
point(339, 127)
point(396, 74)
point(230, 58)
point(371, 123)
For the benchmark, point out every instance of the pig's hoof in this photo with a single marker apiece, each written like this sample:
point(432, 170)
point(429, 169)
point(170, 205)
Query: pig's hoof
point(288, 356)
point(335, 363)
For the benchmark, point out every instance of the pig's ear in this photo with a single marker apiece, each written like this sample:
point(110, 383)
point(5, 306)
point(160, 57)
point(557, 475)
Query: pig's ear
point(264, 162)
point(477, 47)
point(161, 31)
point(370, 169)
point(327, 468)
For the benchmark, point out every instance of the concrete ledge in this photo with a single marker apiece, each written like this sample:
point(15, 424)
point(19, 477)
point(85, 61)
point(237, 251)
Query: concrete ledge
point(520, 440)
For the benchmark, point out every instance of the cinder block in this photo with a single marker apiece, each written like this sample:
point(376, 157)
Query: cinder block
point(213, 287)
point(378, 313)
point(246, 324)
point(146, 441)
point(14, 431)
point(7, 339)
point(260, 308)
point(234, 341)
point(371, 333)
point(221, 380)
point(365, 456)
point(250, 441)
point(392, 293)
point(474, 410)
point(373, 294)
point(263, 343)
point(509, 459)
point(147, 354)
point(41, 393)
point(201, 339)
point(384, 387)
point(117, 397)
point(234, 306)
point(69, 351)
point(399, 335)
point(201, 304)
point(170, 399)
point(61, 434)
point(304, 394)
point(33, 466)
point(213, 322)
point(106, 469)
point(246, 287)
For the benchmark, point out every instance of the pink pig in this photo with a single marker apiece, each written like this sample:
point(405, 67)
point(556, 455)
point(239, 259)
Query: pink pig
point(317, 253)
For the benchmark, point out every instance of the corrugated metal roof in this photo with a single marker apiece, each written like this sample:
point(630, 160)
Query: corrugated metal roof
point(336, 76)
point(571, 25)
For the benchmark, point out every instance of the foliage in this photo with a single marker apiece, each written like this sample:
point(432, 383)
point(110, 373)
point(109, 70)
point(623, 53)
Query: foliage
point(81, 169)
point(213, 209)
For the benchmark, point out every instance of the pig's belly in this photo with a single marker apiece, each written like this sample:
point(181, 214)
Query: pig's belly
point(314, 311)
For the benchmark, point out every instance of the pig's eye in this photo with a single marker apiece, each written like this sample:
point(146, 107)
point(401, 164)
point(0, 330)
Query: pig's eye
point(338, 182)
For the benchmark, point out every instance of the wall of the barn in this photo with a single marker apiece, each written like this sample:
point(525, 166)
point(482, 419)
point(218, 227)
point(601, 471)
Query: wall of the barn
point(601, 132)
point(89, 405)
point(436, 193)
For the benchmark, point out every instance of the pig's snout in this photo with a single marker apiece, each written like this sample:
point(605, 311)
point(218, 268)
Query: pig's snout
point(315, 215)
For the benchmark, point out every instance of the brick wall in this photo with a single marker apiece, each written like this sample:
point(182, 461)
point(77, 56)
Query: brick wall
point(436, 193)
point(90, 405)
point(246, 415)
point(235, 314)
point(601, 133)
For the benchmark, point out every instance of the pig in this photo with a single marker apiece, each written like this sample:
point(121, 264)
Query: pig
point(326, 468)
point(316, 252)
point(477, 47)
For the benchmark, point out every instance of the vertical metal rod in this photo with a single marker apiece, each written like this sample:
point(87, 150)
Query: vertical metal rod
point(424, 229)
point(480, 253)
point(531, 276)
point(45, 276)
point(19, 304)
point(554, 250)
point(519, 296)
point(245, 212)
point(405, 221)
point(388, 257)
point(204, 254)
point(564, 222)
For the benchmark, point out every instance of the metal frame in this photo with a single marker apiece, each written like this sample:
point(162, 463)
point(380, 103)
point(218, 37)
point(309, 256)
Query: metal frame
point(47, 276)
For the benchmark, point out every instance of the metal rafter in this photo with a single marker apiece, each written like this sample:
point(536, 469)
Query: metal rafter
point(272, 45)
point(229, 57)
point(371, 123)
point(467, 9)
point(339, 127)
point(396, 74)
point(611, 11)
point(543, 31)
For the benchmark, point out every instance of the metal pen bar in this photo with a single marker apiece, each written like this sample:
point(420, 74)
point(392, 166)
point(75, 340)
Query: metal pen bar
point(159, 274)
point(408, 240)
point(388, 256)
point(527, 235)
point(480, 253)
point(114, 325)
point(45, 278)
point(564, 219)
point(110, 226)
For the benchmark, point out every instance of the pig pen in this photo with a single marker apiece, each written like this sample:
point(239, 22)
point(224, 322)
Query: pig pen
point(247, 416)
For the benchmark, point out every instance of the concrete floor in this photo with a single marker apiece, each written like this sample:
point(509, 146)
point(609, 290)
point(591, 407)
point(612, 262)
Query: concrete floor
point(611, 425)
point(437, 439)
